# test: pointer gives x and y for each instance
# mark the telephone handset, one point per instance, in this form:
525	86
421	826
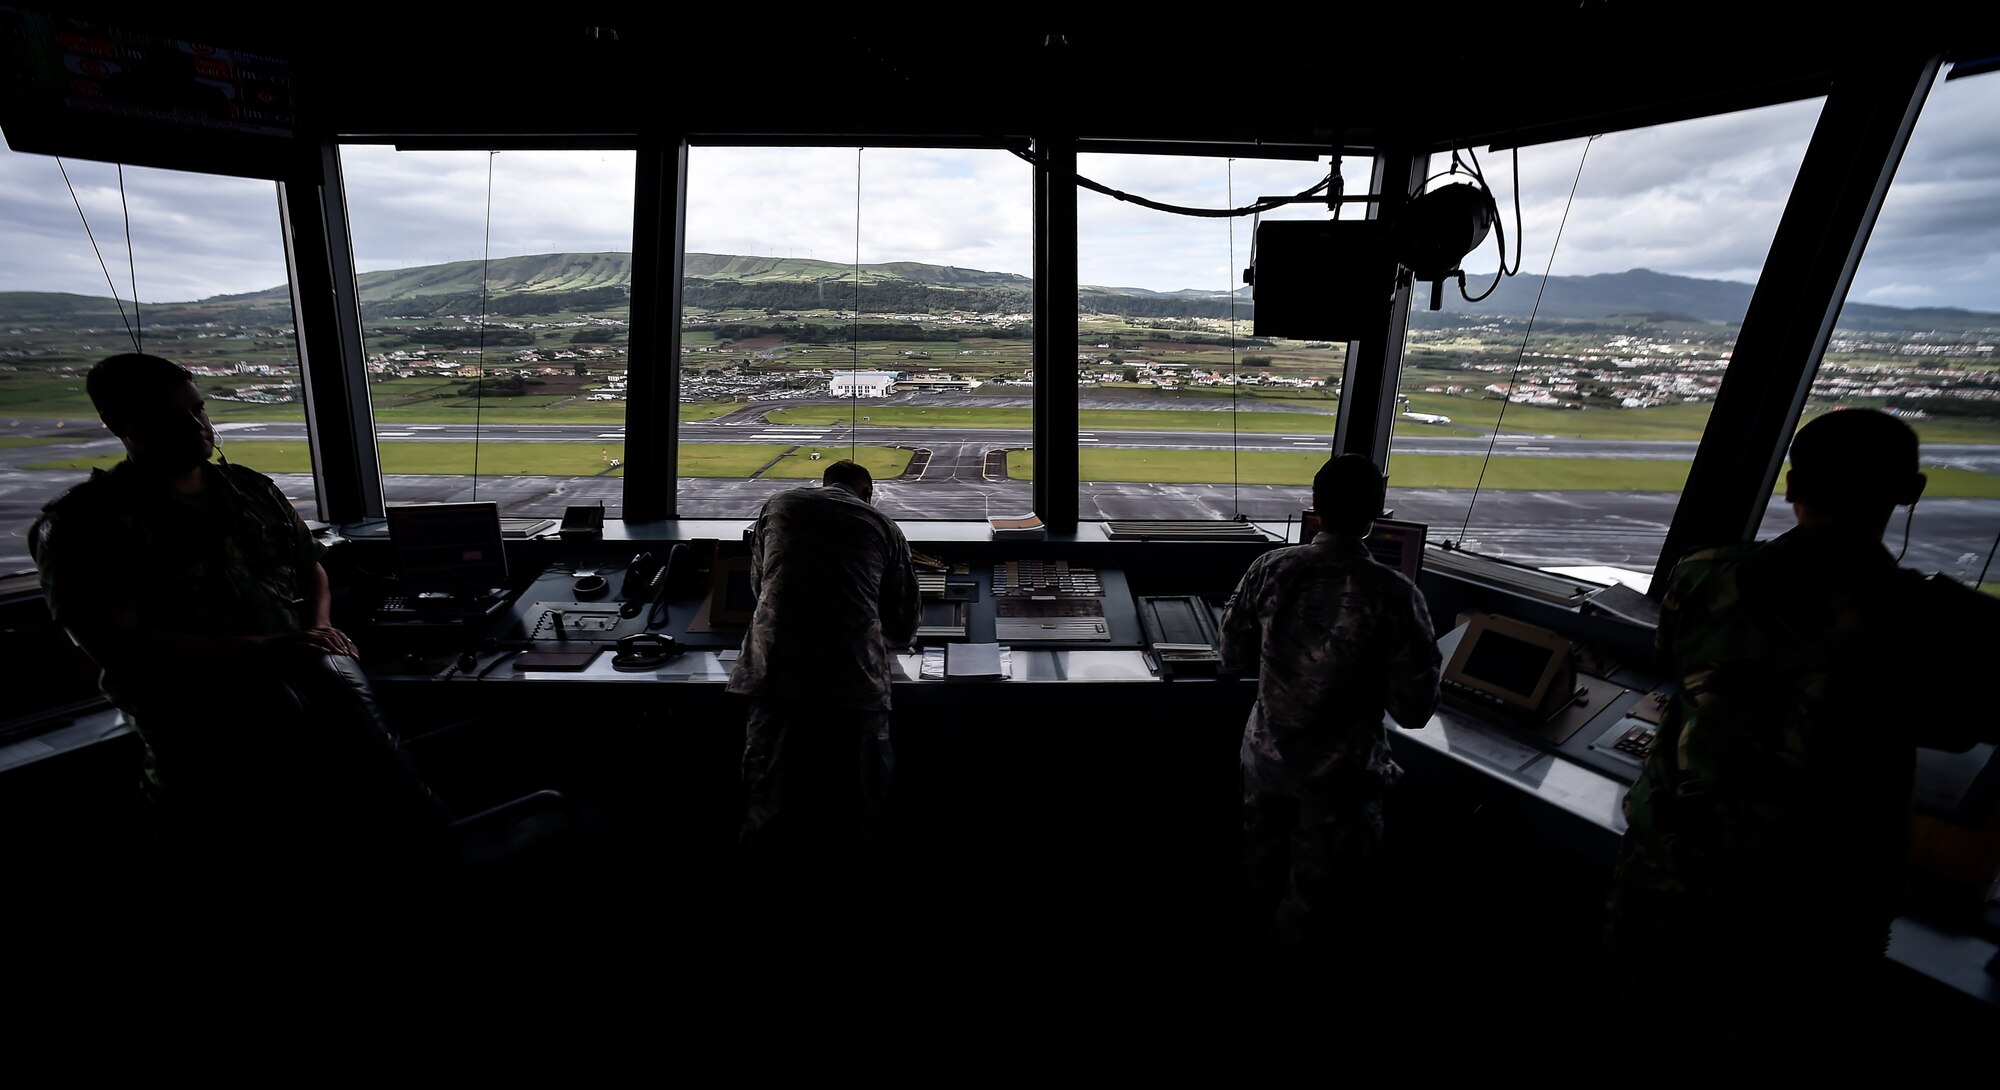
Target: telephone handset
643	577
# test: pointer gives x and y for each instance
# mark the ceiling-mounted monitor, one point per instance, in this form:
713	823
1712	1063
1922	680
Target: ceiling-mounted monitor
144	91
1320	280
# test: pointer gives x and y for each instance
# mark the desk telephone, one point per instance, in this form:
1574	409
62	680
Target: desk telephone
645	577
651	577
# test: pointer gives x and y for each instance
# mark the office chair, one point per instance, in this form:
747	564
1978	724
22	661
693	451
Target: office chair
292	803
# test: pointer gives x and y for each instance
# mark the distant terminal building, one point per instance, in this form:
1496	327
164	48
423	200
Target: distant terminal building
862	383
933	383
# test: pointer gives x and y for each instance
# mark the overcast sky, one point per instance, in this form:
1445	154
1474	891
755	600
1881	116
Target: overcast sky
1698	199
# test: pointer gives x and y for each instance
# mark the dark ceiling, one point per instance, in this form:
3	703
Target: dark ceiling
1425	76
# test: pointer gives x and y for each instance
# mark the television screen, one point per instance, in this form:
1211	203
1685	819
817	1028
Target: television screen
153	93
448	546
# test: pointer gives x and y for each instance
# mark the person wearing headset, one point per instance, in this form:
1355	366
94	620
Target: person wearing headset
197	590
1769	831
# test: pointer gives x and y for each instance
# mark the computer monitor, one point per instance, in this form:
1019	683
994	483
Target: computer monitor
1526	668
448	547
731	602
1399	545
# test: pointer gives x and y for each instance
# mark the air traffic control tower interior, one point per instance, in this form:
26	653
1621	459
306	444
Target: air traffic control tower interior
1092	306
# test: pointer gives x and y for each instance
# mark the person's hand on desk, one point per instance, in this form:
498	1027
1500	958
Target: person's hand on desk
326	640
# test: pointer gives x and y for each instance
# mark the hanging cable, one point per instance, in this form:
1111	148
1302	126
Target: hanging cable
1981	581
1499	229
485	286
1183	210
108	282
1521	355
855	321
131	264
1235	380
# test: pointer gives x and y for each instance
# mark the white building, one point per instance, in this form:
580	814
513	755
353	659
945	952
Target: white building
862	383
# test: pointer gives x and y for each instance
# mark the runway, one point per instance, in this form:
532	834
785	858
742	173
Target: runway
959	474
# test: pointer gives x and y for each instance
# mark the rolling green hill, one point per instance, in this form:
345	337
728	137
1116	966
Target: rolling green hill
560	283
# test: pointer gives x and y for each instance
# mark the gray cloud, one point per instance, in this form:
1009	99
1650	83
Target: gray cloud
1701	198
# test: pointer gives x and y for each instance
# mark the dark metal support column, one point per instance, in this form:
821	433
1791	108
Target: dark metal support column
653	377
1367	413
1055	394
319	256
1863	129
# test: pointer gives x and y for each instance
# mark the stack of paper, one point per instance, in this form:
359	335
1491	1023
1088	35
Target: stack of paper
1020	527
973	660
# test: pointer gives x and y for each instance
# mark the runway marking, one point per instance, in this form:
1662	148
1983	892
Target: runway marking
426	427
611	435
789	436
394	434
1088	440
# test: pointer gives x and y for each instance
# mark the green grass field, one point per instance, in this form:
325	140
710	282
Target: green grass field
725	460
742	460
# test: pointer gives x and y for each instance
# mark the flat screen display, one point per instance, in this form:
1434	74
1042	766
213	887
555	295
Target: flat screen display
1522	666
731	602
1505	662
448	546
151	92
1399	545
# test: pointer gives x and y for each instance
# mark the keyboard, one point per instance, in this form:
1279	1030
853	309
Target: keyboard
1038	579
1637	742
438	607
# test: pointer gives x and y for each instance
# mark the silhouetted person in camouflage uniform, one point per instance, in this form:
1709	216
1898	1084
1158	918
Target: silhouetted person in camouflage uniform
836	598
197	589
1337	639
1769	831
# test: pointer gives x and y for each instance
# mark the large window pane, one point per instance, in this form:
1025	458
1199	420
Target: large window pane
1555	428
95	260
1918	334
873	304
495	291
1184	413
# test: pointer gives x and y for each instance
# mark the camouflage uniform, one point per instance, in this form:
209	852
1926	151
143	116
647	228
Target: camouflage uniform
297	732
1768	834
1338	640
836	596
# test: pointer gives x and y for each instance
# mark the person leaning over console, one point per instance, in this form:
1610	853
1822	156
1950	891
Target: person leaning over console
836	597
197	590
1337	639
1769	832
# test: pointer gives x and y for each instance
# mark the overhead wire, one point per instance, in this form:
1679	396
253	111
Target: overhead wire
1521	355
485	288
854	328
1235	380
130	331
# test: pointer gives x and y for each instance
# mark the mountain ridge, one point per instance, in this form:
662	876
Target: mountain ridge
583	281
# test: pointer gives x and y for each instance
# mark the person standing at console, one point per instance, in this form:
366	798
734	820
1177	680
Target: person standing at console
1337	639
836	597
197	590
1768	837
